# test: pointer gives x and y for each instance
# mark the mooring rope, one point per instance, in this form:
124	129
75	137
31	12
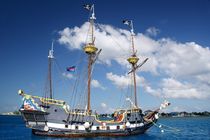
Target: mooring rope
167	128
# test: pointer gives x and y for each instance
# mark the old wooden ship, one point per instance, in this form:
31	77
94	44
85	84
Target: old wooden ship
51	117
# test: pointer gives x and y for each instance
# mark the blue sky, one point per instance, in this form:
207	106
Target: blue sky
173	34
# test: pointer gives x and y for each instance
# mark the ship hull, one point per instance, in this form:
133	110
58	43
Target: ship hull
72	134
60	128
54	118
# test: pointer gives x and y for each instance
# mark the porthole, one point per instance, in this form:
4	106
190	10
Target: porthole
118	127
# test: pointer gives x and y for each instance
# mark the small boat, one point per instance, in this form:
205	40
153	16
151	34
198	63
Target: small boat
51	117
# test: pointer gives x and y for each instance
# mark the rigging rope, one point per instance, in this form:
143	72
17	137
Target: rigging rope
163	128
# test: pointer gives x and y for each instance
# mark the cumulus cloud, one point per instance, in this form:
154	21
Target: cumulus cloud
105	108
188	63
67	75
122	81
103	105
111	39
152	31
172	88
73	38
96	84
178	59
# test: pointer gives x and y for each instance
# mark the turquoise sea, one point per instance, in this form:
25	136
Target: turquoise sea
189	128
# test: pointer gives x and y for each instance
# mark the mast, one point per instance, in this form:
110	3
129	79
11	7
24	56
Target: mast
90	50
133	59
50	58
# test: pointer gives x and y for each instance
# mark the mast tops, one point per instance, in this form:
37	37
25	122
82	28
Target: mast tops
51	52
130	24
133	59
91	9
90	47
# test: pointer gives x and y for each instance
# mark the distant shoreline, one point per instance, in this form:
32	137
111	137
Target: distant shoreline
184	117
184	114
161	115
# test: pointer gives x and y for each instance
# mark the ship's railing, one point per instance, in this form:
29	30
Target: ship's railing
51	101
133	110
43	100
79	111
118	117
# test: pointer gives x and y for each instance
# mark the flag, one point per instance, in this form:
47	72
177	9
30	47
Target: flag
71	69
87	6
127	22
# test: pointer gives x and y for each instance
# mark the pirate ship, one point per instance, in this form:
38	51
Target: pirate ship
50	117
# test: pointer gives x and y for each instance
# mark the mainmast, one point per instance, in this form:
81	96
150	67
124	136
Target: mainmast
50	58
91	51
133	59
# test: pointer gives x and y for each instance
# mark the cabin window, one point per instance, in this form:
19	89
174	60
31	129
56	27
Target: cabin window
108	128
76	127
97	127
118	127
66	126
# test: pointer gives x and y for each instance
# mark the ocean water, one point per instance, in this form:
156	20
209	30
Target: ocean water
196	128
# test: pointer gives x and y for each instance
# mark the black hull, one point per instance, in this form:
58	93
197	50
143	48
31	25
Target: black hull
127	132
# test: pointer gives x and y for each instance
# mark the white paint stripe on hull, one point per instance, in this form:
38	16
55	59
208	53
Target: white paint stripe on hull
82	127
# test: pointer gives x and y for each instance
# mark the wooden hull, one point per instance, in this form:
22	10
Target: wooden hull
126	132
57	121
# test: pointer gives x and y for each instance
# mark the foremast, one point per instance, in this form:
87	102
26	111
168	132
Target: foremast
91	50
50	60
133	59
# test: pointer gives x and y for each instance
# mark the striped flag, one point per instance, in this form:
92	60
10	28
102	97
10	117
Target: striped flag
71	69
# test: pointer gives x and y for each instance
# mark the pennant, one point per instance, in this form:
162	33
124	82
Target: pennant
164	104
87	6
71	69
127	22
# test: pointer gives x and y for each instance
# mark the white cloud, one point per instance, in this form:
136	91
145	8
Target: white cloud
105	108
96	84
73	38
152	31
178	59
172	88
176	109
114	40
165	55
188	63
103	105
122	81
204	78
68	75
